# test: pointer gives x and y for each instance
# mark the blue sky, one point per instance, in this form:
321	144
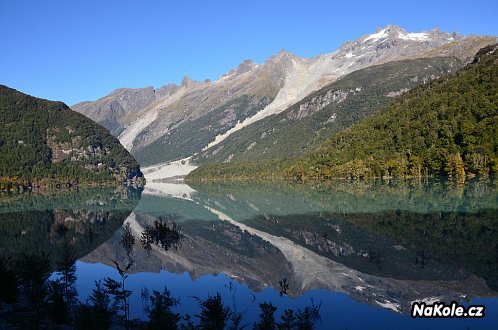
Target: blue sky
82	50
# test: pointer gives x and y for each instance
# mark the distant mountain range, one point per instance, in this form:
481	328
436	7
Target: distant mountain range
199	118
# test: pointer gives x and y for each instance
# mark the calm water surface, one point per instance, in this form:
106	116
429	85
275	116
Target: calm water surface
364	251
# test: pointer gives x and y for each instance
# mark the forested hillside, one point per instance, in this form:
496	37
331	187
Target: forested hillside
447	127
44	142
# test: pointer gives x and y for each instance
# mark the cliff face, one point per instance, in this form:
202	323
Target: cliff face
44	142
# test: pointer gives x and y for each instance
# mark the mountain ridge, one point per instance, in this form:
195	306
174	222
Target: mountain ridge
446	127
254	91
302	126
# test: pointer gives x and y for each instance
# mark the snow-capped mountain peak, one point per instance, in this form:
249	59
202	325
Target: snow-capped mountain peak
303	76
396	32
156	125
384	33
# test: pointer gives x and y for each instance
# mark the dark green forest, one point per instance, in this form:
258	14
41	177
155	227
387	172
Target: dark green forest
44	142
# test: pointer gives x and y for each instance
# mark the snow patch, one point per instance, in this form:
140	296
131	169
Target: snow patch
251	146
332	118
254	207
376	36
420	36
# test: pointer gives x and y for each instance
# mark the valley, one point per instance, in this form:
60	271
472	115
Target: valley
280	109
327	190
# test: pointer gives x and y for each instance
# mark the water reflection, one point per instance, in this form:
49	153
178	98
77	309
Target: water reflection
161	234
385	244
42	236
62	225
388	234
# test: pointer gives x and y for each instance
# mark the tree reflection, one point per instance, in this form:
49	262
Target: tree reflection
266	317
8	281
284	286
162	235
44	303
65	263
214	314
128	240
302	319
47	299
34	270
159	310
97	312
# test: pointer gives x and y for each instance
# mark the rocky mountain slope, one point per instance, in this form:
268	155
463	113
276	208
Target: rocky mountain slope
44	142
448	127
110	110
157	125
305	125
163	130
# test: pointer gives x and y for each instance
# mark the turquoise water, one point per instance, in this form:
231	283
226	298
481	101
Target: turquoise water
363	251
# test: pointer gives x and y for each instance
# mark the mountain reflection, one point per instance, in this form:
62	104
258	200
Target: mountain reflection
382	243
59	222
42	236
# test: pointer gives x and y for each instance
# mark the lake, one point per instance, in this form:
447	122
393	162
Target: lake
359	252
